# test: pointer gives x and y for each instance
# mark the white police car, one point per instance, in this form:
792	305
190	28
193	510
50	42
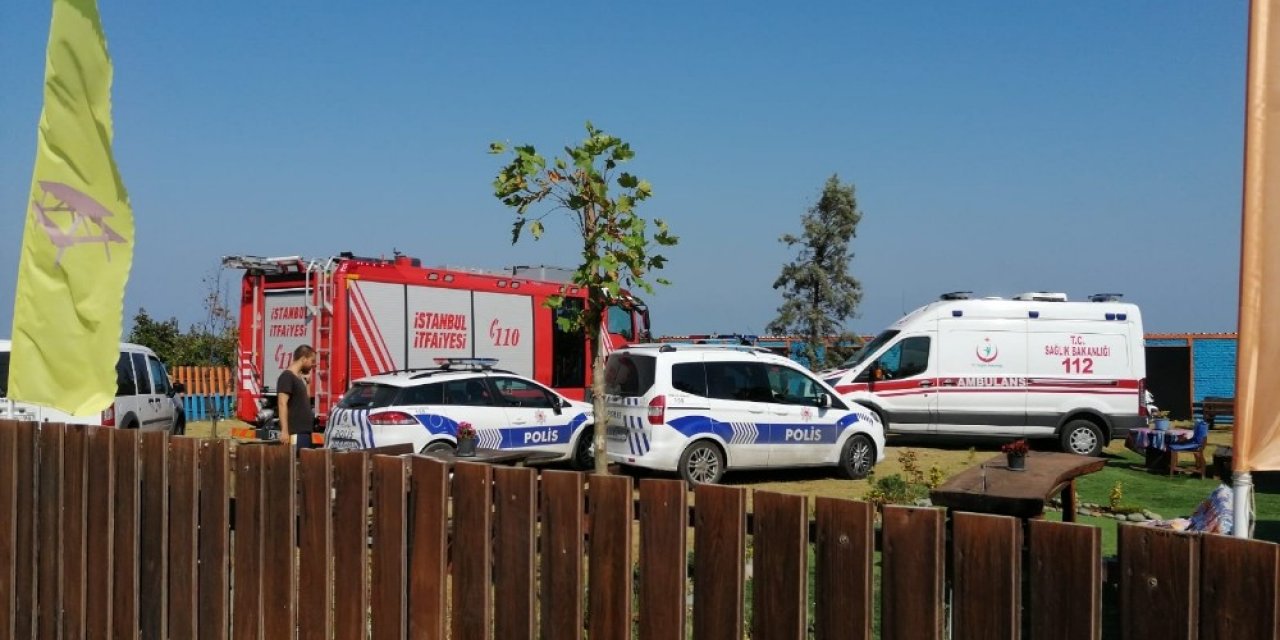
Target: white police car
424	408
701	409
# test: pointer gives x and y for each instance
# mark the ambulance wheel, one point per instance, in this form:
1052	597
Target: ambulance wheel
1082	437
857	457
438	447
584	452
702	463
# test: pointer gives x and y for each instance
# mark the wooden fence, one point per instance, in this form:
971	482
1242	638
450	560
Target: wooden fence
110	533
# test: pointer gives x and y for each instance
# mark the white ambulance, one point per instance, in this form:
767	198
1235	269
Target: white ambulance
1035	366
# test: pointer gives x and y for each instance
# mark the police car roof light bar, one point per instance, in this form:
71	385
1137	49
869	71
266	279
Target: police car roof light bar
473	363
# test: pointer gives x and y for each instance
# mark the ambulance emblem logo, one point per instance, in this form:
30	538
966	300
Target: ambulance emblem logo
987	351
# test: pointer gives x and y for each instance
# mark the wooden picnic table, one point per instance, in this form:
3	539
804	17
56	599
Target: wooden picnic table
513	457
992	487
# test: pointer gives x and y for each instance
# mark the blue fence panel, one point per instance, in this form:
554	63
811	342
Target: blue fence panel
197	406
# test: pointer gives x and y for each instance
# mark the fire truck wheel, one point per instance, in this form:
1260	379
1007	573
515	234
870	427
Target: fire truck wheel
584	452
435	447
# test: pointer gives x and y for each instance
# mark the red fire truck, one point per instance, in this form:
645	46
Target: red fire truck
366	316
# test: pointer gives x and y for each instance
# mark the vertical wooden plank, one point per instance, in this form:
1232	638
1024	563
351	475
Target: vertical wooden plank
24	531
100	525
1239	592
561	546
315	545
780	557
609	583
390	548
514	520
428	547
124	591
73	532
184	513
279	543
8	522
1159	571
719	547
153	570
844	551
986	576
246	587
664	529
912	572
350	545
215	537
1064	579
49	530
472	550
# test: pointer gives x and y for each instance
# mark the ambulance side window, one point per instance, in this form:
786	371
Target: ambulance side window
908	358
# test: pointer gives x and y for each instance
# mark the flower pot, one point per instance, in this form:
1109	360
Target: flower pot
1017	461
1162	424
467	448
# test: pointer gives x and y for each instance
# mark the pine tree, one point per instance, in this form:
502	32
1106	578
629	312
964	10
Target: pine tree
819	295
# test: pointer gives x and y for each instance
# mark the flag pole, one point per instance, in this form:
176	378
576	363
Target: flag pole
1241	492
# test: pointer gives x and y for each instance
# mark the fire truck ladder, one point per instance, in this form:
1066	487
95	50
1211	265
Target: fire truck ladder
320	307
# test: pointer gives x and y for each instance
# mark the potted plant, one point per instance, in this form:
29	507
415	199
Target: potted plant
1161	422
1016	453
466	440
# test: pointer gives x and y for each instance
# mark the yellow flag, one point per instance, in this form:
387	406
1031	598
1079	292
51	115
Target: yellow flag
77	245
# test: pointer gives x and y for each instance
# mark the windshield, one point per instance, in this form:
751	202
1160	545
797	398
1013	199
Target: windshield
869	348
369	396
4	374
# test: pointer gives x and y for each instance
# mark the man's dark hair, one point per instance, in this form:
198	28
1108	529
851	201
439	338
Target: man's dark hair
303	351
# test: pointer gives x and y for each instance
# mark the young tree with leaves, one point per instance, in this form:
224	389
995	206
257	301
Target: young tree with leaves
819	295
617	248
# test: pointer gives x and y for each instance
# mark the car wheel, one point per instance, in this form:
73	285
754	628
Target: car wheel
438	447
584	452
702	463
857	457
1082	437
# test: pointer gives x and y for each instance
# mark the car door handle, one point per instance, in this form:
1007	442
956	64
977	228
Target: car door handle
519	422
926	383
756	410
948	383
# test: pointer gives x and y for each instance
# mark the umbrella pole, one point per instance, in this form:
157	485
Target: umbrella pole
1241	499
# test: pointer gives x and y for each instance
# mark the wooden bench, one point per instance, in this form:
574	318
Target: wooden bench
1213	407
992	487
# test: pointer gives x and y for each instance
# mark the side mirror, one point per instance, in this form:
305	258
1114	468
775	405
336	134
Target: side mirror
557	404
176	389
824	401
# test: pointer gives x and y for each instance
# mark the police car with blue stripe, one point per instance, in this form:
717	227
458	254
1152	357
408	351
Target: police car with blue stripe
701	409
424	408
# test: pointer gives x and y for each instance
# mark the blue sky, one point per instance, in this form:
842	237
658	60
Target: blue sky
996	147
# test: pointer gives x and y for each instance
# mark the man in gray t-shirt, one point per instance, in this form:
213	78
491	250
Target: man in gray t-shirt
293	400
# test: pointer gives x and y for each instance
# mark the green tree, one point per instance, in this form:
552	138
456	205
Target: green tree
819	295
618	249
163	337
209	343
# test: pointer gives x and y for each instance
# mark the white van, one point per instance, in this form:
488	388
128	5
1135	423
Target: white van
701	409
1035	366
144	395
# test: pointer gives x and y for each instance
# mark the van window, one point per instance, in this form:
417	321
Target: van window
158	375
903	360
628	374
869	348
468	393
125	385
747	381
690	377
793	387
4	374
144	375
